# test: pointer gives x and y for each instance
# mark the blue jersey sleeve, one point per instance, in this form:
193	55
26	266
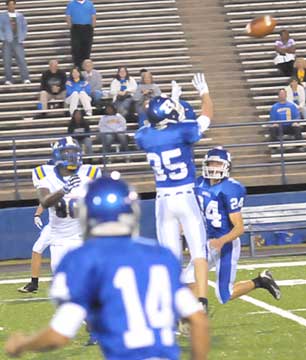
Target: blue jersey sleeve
233	196
74	280
190	131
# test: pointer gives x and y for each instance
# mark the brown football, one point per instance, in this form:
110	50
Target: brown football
261	26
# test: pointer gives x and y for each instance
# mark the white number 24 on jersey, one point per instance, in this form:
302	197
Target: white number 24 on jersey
156	312
162	162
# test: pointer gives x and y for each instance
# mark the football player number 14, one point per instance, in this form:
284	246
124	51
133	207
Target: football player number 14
154	312
164	169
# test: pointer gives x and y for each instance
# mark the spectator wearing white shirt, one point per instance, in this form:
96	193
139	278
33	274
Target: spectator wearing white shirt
296	95
122	89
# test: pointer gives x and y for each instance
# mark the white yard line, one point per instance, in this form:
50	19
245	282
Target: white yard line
270	308
292	282
271	265
20	281
16	301
268	312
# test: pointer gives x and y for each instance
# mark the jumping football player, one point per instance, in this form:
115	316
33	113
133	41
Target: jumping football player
127	287
222	200
168	142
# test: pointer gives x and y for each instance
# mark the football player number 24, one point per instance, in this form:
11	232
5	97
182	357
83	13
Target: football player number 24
164	169
154	312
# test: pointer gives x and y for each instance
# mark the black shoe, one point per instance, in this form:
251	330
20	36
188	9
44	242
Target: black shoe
28	288
268	283
91	341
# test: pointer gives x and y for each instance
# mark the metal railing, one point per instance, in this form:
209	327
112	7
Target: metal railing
104	156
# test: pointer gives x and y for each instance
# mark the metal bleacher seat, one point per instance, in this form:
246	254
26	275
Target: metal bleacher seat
138	34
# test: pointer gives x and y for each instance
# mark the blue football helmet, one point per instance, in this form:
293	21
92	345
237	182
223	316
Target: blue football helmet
221	156
67	153
164	108
109	208
189	111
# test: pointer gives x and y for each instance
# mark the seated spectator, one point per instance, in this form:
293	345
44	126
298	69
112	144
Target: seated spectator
284	110
285	53
94	78
78	90
77	126
145	91
122	89
109	126
299	70
52	85
296	95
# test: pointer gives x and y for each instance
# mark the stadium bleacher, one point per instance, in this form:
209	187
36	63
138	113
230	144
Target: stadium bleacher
168	38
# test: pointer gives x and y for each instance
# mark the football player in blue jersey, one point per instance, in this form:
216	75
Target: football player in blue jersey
127	287
168	142
222	200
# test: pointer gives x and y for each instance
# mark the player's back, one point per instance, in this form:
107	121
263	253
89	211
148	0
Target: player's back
170	152
131	289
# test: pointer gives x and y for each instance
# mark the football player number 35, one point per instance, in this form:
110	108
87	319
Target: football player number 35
154	312
164	169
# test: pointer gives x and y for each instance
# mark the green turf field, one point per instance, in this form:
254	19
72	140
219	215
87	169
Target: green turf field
240	330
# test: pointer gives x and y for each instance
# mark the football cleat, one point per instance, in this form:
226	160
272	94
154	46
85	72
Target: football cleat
183	328
91	341
28	288
269	284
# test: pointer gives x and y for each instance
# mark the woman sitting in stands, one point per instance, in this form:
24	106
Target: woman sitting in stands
78	91
299	70
78	125
146	90
122	89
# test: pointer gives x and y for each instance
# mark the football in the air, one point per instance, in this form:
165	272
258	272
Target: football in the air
261	26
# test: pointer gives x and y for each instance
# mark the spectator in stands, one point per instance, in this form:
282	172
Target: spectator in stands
296	95
13	31
285	53
299	70
122	89
78	125
81	19
146	89
78	90
52	85
109	126
284	110
94	78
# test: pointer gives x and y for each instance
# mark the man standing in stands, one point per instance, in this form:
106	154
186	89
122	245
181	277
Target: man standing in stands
81	18
13	31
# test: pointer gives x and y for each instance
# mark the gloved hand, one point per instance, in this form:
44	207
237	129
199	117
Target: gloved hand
200	83
176	91
38	222
73	182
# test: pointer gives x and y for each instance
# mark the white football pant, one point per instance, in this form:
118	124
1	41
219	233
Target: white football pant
175	207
